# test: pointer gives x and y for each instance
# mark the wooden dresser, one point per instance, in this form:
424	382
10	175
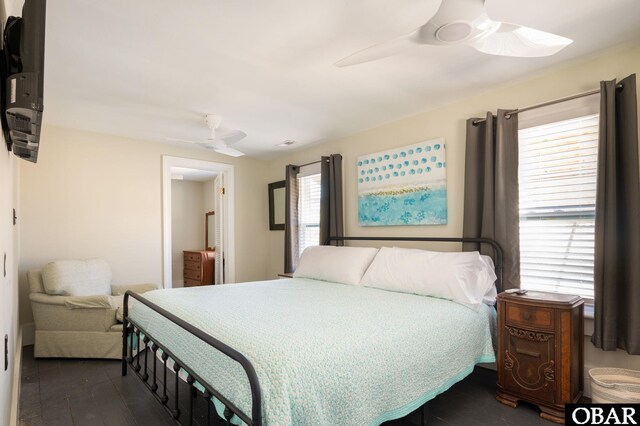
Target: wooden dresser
540	351
198	267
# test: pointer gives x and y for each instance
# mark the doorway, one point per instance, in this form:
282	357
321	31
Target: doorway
182	180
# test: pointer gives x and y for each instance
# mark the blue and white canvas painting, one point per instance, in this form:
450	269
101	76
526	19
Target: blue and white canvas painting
403	186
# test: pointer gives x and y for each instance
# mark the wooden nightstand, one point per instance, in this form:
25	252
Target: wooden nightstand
540	351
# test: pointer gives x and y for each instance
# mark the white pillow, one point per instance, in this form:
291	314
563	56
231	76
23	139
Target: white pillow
90	277
492	292
464	278
344	265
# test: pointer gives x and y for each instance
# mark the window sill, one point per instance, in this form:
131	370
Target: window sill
588	319
588	311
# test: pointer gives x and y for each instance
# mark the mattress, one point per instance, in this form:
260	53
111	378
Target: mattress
325	353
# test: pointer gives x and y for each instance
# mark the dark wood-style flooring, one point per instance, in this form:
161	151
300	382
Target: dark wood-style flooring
92	392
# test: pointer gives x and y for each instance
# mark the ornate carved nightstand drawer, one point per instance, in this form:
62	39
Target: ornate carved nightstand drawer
530	316
529	363
540	351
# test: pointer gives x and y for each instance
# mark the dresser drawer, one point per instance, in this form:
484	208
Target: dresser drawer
194	275
531	316
195	266
191	283
192	257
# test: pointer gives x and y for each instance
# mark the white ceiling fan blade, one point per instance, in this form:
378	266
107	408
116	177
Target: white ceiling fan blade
207	145
519	41
379	51
231	136
214	143
229	151
181	140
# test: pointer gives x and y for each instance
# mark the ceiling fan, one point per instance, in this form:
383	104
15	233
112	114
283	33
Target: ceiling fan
466	22
219	139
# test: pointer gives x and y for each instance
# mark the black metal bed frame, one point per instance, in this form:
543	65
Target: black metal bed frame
130	329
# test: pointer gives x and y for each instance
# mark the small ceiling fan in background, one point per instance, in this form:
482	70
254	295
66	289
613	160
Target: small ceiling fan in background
219	140
466	22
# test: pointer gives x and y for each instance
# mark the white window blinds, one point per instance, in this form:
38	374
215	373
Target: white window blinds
557	179
309	211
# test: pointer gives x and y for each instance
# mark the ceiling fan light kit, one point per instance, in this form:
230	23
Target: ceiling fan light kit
466	22
213	121
454	32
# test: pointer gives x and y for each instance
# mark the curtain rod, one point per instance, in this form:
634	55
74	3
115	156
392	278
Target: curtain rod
544	104
308	164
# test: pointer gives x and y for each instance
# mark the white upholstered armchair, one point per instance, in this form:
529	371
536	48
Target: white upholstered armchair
77	310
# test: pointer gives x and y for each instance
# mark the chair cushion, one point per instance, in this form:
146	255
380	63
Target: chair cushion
119	290
77	277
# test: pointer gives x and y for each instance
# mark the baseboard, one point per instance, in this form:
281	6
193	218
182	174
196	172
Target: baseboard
28	334
17	369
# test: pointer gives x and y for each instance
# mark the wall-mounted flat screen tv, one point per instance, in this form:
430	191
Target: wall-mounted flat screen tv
23	78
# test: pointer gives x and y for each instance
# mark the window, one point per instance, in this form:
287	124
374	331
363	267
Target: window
557	179
308	211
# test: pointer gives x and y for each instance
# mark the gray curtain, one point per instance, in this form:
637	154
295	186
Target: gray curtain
291	254
491	207
331	198
617	232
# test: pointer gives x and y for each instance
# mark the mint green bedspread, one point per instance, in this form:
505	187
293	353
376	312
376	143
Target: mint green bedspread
325	353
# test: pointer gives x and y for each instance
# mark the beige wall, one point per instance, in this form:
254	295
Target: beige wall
93	195
449	122
187	223
209	195
8	276
9	246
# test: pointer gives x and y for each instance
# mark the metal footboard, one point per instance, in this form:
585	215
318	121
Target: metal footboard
145	371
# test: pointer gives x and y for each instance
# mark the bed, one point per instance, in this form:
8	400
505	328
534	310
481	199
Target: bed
306	352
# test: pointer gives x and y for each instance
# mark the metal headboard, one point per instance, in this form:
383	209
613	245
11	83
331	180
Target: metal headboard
496	247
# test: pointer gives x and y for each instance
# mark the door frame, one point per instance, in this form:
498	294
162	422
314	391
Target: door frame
230	250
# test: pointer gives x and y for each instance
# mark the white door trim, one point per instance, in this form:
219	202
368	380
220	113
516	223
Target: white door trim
230	253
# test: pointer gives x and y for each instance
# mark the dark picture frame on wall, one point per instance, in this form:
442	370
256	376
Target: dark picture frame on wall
276	206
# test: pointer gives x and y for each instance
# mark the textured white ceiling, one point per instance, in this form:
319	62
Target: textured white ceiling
150	69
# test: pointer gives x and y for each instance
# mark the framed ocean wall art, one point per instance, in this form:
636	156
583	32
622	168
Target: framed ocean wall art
403	186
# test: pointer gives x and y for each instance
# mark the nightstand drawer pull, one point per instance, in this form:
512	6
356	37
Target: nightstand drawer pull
530	353
526	315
